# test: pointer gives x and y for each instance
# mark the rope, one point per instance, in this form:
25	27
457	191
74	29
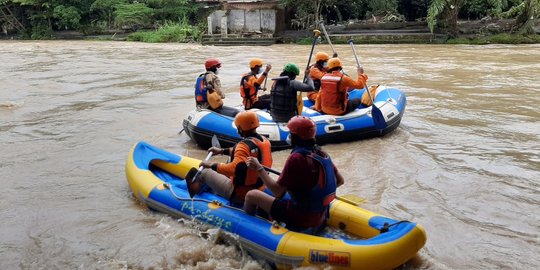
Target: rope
386	226
169	187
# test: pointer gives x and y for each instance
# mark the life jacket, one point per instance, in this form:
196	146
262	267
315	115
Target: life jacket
324	192
247	179
201	90
316	81
248	93
332	101
283	100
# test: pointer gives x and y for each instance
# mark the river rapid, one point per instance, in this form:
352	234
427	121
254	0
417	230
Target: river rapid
464	163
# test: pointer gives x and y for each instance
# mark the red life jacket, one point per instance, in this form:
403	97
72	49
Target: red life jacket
247	179
332	100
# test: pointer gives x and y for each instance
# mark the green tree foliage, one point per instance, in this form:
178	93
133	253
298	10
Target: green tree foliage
67	17
133	15
173	10
39	18
106	8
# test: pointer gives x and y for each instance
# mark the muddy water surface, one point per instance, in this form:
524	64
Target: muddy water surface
465	162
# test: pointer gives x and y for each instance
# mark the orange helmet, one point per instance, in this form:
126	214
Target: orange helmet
321	56
255	62
334	62
211	62
303	127
246	120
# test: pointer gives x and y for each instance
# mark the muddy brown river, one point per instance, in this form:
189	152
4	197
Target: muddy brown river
464	163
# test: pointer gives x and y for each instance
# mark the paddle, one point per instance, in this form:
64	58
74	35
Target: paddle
299	101
378	118
194	173
348	198
321	23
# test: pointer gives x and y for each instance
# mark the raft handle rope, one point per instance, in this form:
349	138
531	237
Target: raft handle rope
386	226
169	187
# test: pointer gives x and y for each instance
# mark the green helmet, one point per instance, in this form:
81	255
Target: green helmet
292	68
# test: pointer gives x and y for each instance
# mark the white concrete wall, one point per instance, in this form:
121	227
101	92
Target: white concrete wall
215	18
239	20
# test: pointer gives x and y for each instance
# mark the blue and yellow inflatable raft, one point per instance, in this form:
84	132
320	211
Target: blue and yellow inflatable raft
355	238
201	124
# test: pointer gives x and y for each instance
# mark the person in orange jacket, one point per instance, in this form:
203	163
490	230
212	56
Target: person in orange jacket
317	71
333	96
250	85
234	179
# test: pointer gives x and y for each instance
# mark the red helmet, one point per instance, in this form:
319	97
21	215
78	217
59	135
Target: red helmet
211	62
303	127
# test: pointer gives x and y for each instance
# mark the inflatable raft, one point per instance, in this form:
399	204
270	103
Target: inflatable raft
201	125
355	238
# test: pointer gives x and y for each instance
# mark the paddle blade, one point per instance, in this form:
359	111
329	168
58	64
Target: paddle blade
351	199
378	118
215	141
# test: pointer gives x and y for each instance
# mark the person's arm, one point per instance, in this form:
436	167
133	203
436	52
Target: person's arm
316	73
213	83
339	178
241	153
302	87
269	182
217	86
261	79
348	82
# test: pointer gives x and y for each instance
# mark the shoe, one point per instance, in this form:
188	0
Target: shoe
193	185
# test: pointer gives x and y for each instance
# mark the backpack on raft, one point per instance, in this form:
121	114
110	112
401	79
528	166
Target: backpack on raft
366	101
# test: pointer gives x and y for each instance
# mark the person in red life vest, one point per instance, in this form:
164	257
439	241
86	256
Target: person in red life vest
333	96
234	179
250	85
309	176
208	94
316	72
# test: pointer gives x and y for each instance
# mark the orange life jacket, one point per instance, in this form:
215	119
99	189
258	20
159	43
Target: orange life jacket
331	99
248	92
247	179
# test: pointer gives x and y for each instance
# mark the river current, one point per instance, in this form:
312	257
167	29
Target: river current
464	163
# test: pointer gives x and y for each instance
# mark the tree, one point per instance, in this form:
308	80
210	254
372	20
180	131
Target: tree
106	9
449	10
67	17
132	15
526	18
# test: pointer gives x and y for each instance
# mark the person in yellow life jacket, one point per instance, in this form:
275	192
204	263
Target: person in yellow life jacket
333	96
208	93
251	83
309	177
316	72
234	179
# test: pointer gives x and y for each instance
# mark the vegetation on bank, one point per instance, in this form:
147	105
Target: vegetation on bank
185	20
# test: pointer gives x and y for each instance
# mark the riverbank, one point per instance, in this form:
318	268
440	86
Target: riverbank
489	31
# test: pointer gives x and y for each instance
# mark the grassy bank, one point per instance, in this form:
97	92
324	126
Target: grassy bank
168	33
